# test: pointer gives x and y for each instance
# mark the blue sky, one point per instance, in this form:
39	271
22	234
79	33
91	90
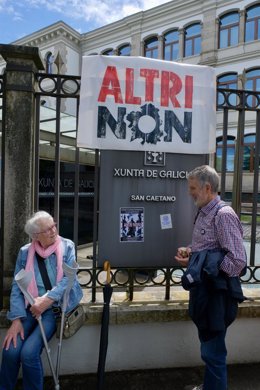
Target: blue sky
23	17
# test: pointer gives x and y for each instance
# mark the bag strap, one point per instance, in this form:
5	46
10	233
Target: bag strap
43	272
221	204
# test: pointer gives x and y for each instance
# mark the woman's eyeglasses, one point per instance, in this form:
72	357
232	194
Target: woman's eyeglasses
48	230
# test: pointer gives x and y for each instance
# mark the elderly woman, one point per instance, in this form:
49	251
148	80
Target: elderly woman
23	342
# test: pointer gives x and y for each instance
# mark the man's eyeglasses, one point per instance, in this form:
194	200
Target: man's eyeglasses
48	230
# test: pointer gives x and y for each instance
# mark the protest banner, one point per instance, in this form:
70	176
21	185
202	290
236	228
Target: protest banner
142	104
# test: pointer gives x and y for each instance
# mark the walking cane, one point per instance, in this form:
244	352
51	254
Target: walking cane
70	272
23	279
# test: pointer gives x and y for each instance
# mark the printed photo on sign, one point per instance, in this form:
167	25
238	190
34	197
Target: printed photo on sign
132	224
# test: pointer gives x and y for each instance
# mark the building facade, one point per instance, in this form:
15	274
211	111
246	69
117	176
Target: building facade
224	34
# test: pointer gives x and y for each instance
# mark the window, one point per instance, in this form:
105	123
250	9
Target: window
109	52
230	153
248	155
192	40
252	23
171	45
249	152
151	48
228	30
124	50
252	84
49	62
86	197
227	81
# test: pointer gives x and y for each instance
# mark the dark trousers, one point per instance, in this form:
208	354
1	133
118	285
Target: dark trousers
214	353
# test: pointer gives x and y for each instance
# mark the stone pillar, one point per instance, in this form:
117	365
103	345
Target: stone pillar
160	47
136	45
18	153
241	80
142	48
209	38
181	44
242	26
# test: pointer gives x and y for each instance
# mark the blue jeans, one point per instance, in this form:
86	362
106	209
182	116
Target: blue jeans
27	353
214	353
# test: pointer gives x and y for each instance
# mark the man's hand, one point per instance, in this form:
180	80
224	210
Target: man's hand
40	305
182	256
11	335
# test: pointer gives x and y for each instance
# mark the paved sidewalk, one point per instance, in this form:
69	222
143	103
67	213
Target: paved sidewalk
240	377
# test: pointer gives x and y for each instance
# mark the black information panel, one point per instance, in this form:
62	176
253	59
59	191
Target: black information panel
146	212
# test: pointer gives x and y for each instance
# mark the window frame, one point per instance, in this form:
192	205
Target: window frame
171	44
226	84
254	87
127	45
108	52
153	49
229	28
231	144
256	21
193	39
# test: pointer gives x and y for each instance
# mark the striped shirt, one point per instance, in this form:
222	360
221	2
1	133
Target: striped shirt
220	228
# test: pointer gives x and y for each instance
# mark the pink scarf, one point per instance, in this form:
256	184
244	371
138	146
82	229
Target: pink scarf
35	246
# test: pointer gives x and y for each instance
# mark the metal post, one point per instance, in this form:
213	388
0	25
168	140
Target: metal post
238	164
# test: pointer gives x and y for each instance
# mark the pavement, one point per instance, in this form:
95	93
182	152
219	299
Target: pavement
240	377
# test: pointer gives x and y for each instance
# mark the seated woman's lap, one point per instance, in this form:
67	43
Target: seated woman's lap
32	344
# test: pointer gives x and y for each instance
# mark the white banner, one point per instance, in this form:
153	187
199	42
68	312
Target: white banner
136	103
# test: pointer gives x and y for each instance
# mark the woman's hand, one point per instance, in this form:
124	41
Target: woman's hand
40	305
183	255
11	335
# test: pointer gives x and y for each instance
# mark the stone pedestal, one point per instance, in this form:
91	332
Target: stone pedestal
18	153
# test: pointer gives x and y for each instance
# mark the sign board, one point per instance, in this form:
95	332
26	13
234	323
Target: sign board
142	104
146	212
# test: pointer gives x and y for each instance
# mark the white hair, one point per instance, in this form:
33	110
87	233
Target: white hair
206	174
32	225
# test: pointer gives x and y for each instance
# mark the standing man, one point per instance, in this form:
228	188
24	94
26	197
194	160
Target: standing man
215	260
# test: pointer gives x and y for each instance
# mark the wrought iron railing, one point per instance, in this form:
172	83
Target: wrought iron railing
133	280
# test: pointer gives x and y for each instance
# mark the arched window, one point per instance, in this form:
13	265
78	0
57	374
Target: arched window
192	45
124	50
171	45
252	23
253	84
108	52
230	153
151	47
228	30
49	62
227	81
